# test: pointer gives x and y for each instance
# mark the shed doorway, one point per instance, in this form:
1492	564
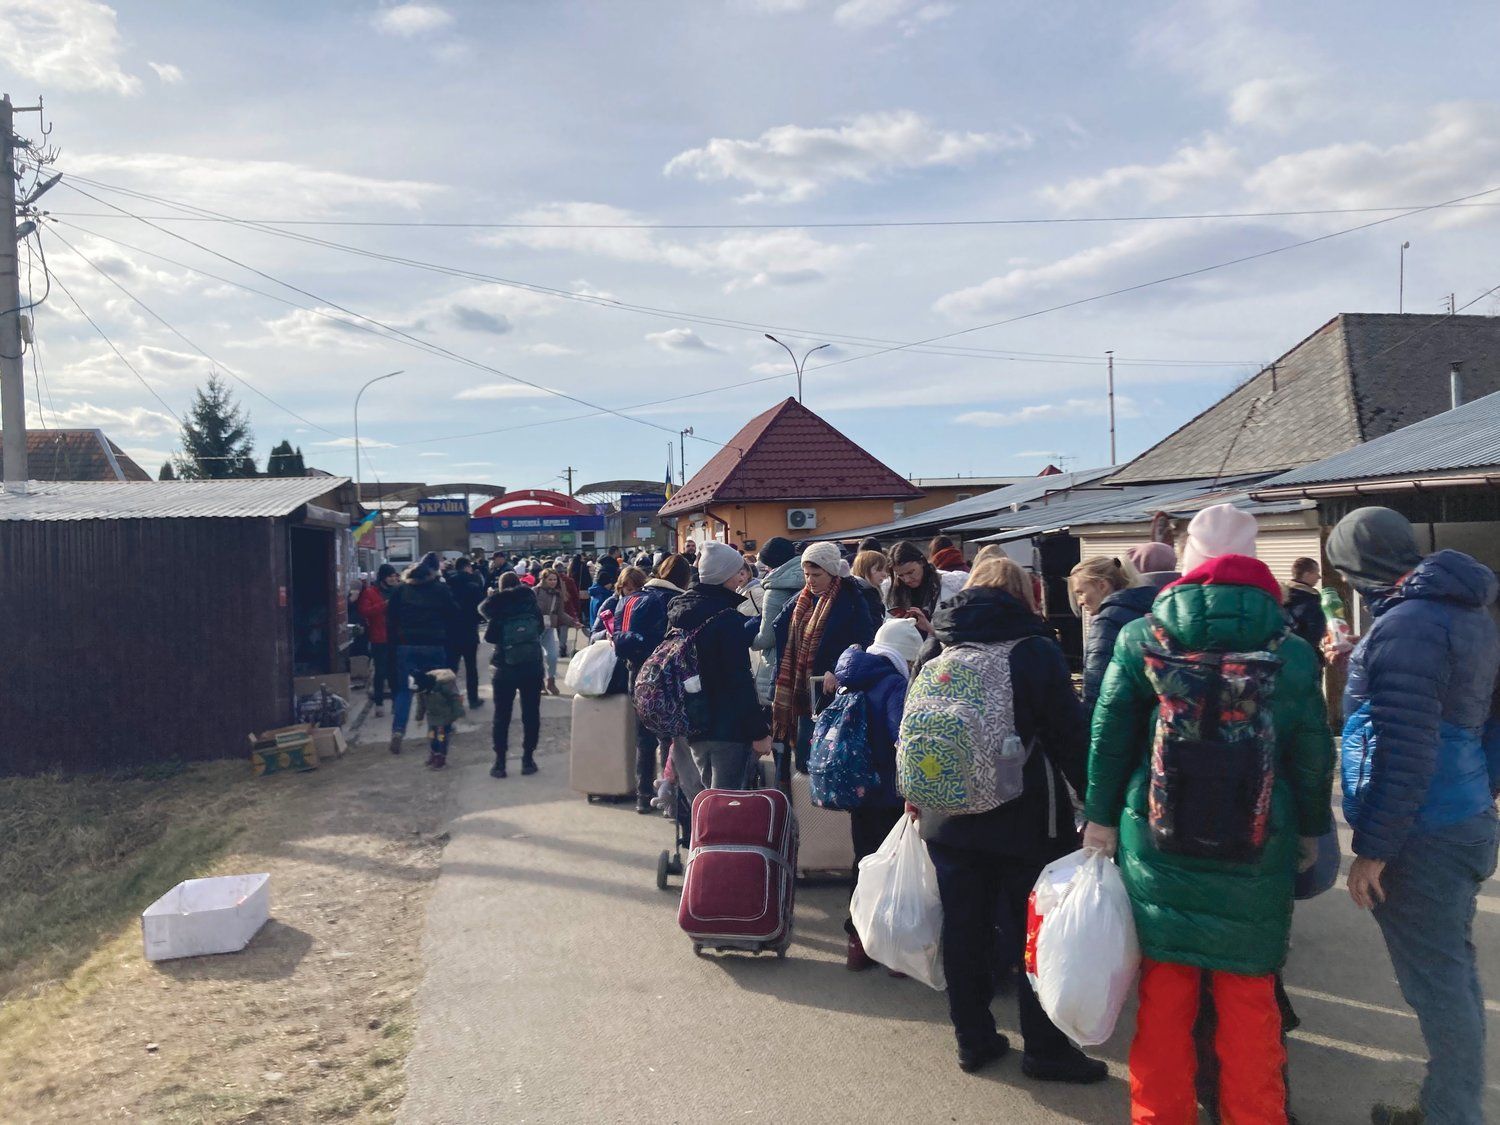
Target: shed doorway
313	592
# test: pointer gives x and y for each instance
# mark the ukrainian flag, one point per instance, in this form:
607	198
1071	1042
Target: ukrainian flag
365	526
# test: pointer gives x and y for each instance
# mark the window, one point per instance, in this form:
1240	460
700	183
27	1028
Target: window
898	510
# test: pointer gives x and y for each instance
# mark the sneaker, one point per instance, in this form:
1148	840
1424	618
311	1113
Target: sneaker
1382	1114
379	711
436	761
996	1048
643	806
856	960
1074	1067
528	767
498	770
476	705
396	742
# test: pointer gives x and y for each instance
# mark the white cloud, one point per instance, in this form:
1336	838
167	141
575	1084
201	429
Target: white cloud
430	454
252	188
909	15
1211	159
777	7
680	340
348	443
169	74
137	422
1048	411
480	320
791	163
407	20
748	258
306	328
486	308
1273	101
547	349
64	45
502	390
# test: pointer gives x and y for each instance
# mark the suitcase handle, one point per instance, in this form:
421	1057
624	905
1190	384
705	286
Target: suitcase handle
765	853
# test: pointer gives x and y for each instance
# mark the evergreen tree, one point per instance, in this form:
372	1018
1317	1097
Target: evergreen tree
301	464
166	472
216	440
285	461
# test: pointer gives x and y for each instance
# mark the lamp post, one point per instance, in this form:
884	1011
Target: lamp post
795	364
1401	280
359	497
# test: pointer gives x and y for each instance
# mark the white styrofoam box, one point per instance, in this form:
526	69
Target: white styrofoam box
217	915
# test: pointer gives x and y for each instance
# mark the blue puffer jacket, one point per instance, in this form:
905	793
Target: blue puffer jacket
885	701
641	621
1418	697
1115	612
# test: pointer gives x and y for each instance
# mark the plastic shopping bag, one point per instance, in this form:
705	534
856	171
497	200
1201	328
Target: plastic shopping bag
896	909
1081	948
590	671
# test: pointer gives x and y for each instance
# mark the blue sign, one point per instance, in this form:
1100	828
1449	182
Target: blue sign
641	502
458	507
537	523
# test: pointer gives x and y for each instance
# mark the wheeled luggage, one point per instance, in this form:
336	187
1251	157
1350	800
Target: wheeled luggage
741	882
824	845
601	760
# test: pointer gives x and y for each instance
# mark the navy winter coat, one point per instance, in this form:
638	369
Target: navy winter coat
647	612
723	662
1417	700
1115	612
884	688
848	624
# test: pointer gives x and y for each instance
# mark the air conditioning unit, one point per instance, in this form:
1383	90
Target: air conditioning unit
801	519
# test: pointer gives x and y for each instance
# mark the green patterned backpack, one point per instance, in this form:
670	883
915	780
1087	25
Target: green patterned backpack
959	751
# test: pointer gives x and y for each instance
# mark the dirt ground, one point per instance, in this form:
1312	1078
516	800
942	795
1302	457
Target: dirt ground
313	1020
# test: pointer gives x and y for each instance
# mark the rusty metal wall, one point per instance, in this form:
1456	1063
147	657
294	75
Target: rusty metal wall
132	641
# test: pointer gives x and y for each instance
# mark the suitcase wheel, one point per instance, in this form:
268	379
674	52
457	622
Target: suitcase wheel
781	954
663	869
674	866
697	949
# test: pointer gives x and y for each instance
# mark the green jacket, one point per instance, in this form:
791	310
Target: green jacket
1189	911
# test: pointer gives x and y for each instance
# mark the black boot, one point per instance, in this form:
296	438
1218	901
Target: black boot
528	764
498	769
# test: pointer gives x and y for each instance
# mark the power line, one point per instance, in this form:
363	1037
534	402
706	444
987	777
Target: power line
624	306
119	354
850	224
1426	328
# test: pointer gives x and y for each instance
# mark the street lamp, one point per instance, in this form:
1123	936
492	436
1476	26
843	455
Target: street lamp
359	492
797	365
1401	280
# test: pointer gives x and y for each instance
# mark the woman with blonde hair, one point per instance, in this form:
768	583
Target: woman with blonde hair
1107	591
551	599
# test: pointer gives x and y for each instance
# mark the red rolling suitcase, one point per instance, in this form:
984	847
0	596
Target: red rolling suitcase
739	889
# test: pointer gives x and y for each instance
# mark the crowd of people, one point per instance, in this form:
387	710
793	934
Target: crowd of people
1194	749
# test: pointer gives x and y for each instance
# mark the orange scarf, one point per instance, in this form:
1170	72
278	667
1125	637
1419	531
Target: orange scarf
805	634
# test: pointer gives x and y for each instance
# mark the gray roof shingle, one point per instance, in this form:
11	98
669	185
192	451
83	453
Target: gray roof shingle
183	499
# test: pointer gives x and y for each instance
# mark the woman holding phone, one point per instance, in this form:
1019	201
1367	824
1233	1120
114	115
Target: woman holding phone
917	587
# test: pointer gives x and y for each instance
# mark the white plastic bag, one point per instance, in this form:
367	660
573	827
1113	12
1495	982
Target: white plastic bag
896	908
1082	950
590	671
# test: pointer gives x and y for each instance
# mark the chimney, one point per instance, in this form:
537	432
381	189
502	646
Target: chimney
1456	385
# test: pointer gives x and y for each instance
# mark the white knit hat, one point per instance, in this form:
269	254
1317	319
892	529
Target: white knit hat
1220	530
718	563
898	635
824	555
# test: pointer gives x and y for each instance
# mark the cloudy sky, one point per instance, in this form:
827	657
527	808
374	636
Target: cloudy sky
636	191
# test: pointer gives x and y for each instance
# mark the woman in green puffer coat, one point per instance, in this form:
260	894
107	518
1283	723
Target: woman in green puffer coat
1194	914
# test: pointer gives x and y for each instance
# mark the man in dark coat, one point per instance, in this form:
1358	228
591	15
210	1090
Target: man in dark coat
1304	606
467	589
1419	778
420	619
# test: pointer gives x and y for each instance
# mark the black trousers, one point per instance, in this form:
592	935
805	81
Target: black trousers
509	683
467	651
980	890
868	829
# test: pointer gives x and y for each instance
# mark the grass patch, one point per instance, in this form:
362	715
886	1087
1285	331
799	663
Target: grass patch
81	854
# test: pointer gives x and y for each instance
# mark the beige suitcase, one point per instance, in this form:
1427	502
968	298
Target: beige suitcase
824	844
601	759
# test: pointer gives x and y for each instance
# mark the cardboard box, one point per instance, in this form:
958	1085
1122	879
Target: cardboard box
199	916
336	682
283	749
330	742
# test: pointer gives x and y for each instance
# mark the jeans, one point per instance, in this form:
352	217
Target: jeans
527	683
467	651
711	764
550	650
648	751
383	679
411	659
1428	922
976	888
438	738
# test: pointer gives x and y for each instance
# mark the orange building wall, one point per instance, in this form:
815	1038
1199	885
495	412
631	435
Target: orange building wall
760	521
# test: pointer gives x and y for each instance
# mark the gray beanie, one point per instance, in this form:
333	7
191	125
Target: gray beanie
718	563
1373	547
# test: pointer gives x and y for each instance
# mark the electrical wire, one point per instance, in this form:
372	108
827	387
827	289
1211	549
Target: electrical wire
1426	328
119	354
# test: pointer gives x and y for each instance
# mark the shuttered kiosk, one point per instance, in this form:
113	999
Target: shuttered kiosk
155	620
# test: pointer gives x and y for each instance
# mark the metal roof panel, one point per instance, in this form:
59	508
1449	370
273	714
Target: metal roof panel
183	499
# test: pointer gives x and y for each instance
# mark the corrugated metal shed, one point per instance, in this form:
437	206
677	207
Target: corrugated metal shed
1460	440
197	499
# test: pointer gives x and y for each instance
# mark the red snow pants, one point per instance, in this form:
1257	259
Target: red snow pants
1163	1064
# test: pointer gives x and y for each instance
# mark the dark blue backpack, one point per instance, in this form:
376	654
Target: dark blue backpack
839	765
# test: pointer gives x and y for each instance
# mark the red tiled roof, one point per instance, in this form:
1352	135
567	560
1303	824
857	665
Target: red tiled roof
789	453
77	455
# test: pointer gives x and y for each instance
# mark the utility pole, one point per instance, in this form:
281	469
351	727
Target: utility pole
12	373
1110	356
1452	304
568	472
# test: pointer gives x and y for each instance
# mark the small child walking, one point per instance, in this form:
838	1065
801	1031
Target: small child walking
444	706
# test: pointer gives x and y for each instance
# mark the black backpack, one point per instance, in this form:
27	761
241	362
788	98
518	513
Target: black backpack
517	639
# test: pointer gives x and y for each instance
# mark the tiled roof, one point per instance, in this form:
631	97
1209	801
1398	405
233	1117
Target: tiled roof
789	453
1357	377
77	455
1454	442
180	499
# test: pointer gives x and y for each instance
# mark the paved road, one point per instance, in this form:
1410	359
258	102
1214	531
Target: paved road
559	989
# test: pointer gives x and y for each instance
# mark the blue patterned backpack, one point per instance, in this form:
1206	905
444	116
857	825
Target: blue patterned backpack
839	769
959	752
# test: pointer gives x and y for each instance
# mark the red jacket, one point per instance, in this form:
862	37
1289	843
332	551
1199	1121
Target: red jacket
570	597
371	606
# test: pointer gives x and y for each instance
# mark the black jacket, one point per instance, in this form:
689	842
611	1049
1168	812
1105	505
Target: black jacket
848	624
1048	717
421	611
467	589
723	661
1117	611
1304	613
517	602
874	604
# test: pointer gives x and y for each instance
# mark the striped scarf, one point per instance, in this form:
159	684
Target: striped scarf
803	638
